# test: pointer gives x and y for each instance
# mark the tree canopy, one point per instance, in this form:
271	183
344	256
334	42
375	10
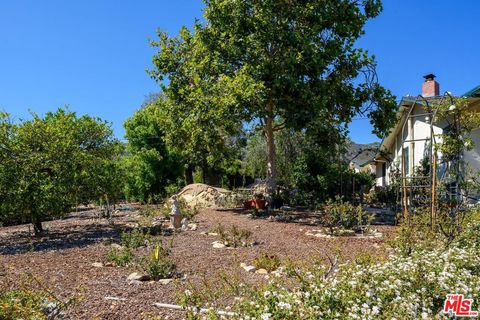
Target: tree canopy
273	64
49	164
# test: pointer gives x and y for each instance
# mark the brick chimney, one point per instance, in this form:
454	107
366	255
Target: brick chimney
430	88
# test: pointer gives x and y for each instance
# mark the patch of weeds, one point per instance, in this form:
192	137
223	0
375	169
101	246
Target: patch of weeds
22	304
157	264
26	302
132	239
120	257
269	262
234	237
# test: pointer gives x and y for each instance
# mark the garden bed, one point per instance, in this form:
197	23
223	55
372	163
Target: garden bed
63	260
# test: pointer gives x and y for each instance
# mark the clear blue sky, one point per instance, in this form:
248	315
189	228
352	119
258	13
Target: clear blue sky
93	55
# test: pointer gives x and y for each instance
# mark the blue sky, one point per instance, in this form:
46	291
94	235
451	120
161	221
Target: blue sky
92	55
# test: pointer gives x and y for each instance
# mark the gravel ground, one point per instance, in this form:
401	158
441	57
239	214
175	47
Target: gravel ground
62	260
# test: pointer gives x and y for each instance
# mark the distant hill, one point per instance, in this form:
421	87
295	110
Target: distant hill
359	154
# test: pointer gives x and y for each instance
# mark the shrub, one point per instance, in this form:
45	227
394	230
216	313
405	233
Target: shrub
22	304
234	237
340	214
132	239
266	261
403	287
120	257
157	264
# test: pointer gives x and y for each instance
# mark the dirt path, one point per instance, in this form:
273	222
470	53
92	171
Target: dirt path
63	260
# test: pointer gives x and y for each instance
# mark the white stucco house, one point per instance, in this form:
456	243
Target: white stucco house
412	133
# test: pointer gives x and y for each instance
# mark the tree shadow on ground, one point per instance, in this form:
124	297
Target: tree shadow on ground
66	238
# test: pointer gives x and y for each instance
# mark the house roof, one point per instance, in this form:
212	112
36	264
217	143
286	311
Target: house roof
473	93
405	104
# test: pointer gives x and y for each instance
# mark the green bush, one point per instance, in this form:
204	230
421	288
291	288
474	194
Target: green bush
132	239
234	237
266	261
343	215
22	304
120	257
157	264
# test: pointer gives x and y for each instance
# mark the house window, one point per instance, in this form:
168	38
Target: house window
407	160
384	173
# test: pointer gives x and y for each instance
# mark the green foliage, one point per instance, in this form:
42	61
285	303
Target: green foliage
22	304
49	164
343	215
120	257
456	138
150	165
277	64
374	291
132	239
158	264
234	237
266	261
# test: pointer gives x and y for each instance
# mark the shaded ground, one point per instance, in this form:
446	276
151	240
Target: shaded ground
62	261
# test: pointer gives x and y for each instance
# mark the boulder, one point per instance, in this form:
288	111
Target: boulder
199	195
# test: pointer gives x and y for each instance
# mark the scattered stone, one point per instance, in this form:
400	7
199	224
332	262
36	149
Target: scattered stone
261	271
192	226
249	268
116	246
132	225
212	234
115	299
165	281
218	245
138	277
204	233
317	233
97	264
243	264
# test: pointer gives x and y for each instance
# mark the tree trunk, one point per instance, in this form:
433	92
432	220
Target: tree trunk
37	225
271	165
189	174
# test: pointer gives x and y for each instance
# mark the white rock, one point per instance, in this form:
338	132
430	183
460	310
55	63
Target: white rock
243	264
192	226
165	281
249	268
116	246
218	245
138	277
262	271
97	264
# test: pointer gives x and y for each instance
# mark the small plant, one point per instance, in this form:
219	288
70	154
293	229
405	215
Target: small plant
133	239
27	298
120	257
22	304
234	237
157	264
266	261
343	215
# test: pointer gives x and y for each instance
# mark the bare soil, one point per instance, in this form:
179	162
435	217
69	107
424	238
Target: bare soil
62	259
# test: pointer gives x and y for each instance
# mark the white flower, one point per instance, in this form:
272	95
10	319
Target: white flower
265	316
